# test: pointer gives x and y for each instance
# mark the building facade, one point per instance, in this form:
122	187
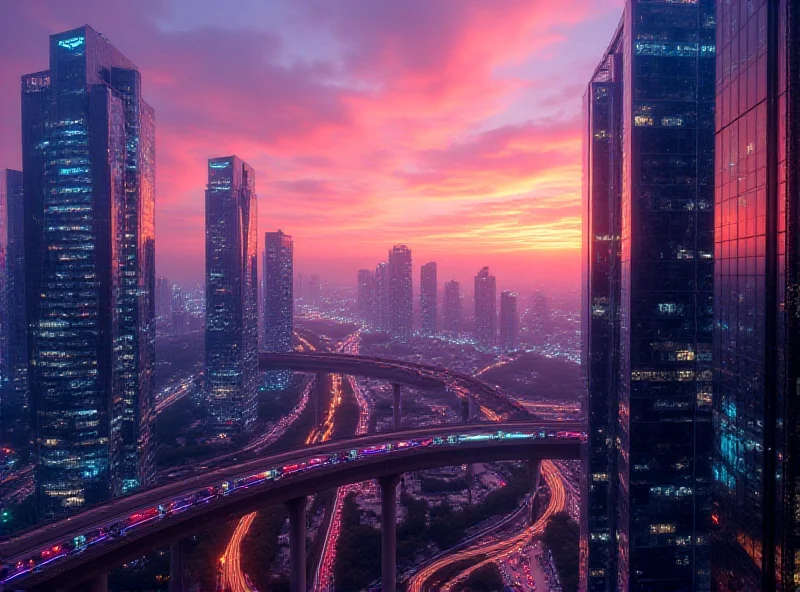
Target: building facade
365	296
485	308
278	301
14	420
451	314
231	338
509	321
89	185
756	537
382	310
401	297
649	176
428	295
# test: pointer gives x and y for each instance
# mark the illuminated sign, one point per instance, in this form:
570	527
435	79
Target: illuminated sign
219	165
72	42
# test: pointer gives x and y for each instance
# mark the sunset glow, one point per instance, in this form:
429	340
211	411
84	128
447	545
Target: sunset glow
451	126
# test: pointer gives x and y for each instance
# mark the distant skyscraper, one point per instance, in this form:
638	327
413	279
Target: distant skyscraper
485	308
13	320
756	471
509	321
428	293
648	216
451	318
163	298
314	290
382	321
89	179
178	311
231	296
278	301
365	297
541	313
401	297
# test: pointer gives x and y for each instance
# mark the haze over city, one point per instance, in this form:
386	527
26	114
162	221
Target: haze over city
450	126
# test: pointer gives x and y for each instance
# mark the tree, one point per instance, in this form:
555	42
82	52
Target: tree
484	579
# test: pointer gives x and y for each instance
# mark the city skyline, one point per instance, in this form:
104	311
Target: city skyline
316	191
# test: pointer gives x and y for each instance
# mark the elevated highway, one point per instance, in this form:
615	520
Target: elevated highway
62	554
397	372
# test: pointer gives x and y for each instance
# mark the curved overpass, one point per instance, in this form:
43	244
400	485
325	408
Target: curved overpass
71	550
397	371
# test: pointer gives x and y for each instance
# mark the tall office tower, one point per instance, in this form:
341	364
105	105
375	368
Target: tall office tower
451	317
541	313
314	290
278	301
509	321
231	297
89	182
298	286
649	151
428	293
365	297
401	297
382	298
163	298
178	314
485	308
756	471
14	420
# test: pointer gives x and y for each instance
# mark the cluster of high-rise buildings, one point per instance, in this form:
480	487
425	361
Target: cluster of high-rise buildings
78	293
385	301
691	300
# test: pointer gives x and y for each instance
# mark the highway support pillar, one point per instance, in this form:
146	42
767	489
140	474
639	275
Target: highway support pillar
297	543
177	566
389	532
99	583
397	406
535	472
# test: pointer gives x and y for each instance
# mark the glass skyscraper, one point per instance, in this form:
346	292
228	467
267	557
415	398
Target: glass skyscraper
485	308
451	315
89	185
382	308
756	535
14	420
648	292
509	321
401	298
278	301
231	297
428	293
365	297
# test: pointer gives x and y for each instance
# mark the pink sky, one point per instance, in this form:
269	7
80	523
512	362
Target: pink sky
452	126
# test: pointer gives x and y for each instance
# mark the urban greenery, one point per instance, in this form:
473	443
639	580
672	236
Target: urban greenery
561	536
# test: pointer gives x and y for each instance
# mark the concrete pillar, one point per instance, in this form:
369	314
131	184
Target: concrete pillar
465	410
99	583
177	566
397	406
474	410
389	532
297	543
535	471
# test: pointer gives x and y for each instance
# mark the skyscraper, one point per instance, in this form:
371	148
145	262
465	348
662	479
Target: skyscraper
178	314
365	297
314	290
14	421
278	301
509	321
649	185
89	179
401	297
485	308
382	313
756	472
163	298
451	317
428	293
231	296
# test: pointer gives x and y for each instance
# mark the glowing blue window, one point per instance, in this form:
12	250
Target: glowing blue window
219	165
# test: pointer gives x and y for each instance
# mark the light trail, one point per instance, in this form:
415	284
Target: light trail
497	550
233	578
